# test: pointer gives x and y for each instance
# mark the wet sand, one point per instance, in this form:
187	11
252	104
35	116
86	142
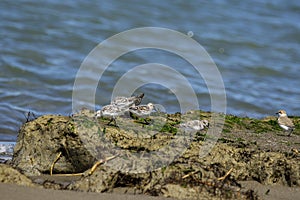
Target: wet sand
273	192
16	192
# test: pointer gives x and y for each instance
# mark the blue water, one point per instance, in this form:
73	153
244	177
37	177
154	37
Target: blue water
255	45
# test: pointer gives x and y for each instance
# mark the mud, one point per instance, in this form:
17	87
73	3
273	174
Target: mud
157	159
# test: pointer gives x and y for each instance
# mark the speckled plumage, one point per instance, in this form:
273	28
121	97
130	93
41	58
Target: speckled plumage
111	111
126	102
142	110
196	125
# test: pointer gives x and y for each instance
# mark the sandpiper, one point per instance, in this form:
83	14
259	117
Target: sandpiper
111	111
285	122
126	102
142	110
196	125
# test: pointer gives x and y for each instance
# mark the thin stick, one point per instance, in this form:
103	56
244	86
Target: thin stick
190	174
99	162
56	159
92	170
223	177
77	174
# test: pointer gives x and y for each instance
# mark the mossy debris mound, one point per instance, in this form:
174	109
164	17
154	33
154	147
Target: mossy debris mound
149	161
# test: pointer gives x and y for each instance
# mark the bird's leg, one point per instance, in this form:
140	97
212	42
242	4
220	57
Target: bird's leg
146	121
290	132
149	120
115	123
133	116
112	119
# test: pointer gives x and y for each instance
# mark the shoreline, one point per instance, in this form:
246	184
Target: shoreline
17	192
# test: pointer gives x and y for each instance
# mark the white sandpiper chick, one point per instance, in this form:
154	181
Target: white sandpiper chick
196	125
285	122
142	110
126	102
111	111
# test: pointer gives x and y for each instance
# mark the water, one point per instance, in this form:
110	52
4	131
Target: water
255	45
6	151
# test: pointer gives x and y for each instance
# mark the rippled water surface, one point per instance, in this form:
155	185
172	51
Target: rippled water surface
255	45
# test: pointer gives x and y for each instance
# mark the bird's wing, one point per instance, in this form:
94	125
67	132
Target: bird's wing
287	121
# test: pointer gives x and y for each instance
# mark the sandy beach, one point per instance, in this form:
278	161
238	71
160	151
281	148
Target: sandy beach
273	192
16	192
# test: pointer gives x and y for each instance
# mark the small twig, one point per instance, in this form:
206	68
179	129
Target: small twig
190	174
99	162
295	151
223	177
92	170
77	174
56	159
